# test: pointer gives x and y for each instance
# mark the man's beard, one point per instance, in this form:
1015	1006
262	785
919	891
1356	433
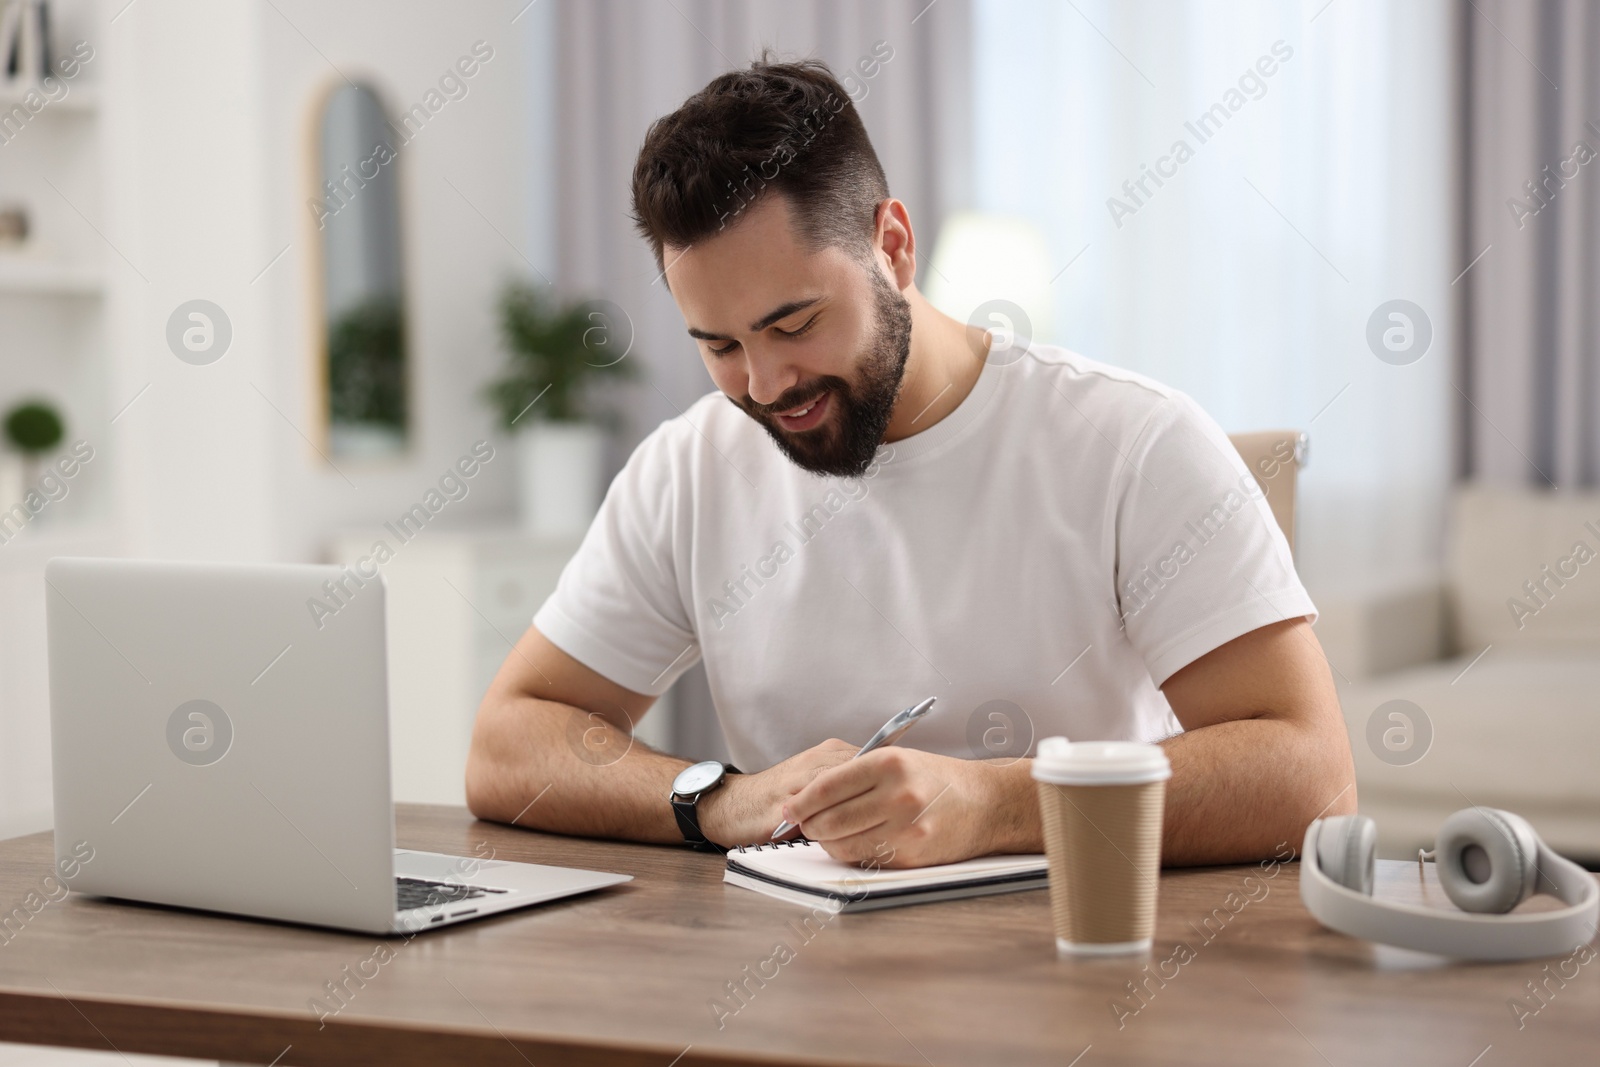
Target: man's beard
845	445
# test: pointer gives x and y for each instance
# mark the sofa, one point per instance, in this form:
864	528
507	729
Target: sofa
1481	685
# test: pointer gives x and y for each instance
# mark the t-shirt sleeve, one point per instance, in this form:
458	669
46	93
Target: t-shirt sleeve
617	607
1200	558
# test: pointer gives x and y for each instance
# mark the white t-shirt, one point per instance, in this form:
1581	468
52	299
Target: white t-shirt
1040	560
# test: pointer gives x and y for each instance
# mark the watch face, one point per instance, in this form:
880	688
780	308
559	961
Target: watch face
694	779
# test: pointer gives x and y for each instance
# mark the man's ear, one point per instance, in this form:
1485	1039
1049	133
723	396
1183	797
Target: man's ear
893	237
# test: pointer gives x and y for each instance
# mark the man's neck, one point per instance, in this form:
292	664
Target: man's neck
945	360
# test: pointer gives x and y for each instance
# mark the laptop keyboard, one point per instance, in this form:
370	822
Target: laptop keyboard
420	893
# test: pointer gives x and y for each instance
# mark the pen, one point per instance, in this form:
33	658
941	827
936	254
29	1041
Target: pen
887	734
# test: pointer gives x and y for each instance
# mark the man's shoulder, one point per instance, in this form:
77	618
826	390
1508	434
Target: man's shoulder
1065	368
1112	400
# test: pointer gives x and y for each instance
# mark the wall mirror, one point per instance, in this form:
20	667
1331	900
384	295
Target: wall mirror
356	208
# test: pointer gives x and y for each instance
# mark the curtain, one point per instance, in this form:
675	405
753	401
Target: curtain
622	63
1530	385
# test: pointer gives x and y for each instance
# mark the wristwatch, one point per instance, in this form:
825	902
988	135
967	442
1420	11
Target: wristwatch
691	784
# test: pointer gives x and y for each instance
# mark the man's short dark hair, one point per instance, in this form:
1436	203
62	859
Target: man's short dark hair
777	127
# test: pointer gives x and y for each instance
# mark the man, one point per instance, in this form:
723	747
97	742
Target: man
881	504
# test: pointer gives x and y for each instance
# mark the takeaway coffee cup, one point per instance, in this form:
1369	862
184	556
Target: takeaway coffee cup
1101	804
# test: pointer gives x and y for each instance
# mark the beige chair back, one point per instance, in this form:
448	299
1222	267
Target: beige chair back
1275	458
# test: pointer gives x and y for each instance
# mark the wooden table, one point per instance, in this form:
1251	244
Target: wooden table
631	975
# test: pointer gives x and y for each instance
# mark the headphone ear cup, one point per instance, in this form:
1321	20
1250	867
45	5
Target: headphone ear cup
1347	849
1487	859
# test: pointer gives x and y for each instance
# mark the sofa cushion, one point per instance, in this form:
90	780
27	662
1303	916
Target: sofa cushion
1514	730
1523	569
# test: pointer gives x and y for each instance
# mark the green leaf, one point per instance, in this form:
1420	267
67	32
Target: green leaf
556	353
34	427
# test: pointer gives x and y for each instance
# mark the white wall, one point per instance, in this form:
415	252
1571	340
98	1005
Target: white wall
184	105
463	195
220	184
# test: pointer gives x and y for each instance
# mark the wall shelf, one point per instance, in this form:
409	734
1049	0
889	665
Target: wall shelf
29	276
80	100
27	551
64	337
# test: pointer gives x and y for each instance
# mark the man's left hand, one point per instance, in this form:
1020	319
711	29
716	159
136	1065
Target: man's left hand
900	807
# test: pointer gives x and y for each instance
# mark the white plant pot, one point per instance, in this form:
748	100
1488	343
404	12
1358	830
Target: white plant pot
560	466
13	480
365	440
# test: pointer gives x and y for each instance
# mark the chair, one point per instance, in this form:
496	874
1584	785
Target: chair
1275	458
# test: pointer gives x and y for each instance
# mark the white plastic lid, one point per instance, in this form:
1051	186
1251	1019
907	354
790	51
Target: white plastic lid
1100	762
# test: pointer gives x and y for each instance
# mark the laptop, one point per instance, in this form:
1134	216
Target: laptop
220	740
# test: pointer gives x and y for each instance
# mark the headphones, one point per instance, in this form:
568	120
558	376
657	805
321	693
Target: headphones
1488	862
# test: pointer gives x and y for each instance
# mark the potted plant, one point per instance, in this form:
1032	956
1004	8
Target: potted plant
32	429
558	352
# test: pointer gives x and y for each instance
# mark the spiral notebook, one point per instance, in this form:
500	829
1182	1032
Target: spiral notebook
802	872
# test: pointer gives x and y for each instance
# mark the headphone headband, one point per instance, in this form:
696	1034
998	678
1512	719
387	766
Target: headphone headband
1451	933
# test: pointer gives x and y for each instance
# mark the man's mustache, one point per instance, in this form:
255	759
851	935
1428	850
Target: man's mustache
799	396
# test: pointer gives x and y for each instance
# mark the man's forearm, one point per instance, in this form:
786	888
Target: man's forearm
1238	790
550	766
1014	824
1241	788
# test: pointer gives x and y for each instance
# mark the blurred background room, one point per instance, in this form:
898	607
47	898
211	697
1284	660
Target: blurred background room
275	274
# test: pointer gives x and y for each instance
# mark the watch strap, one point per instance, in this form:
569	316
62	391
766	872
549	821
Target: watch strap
689	824
687	812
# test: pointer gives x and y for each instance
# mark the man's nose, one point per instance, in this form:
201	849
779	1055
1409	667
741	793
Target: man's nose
769	379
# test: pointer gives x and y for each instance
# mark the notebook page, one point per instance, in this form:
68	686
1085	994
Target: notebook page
807	863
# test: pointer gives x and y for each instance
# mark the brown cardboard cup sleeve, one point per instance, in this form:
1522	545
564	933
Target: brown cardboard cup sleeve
1101	803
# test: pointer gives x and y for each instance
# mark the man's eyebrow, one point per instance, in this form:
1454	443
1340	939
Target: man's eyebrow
783	311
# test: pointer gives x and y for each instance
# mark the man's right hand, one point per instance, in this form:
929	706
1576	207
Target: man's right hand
746	808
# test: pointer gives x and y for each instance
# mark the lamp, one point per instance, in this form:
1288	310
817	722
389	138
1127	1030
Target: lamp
992	271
